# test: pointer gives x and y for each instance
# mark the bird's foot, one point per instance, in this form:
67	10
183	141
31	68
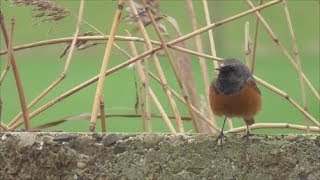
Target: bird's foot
220	139
247	136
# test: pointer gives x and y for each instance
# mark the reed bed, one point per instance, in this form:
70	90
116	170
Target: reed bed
143	14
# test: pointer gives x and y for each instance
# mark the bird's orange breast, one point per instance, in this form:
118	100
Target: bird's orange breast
246	103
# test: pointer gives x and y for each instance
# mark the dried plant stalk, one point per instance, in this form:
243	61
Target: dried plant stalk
287	97
22	98
283	50
213	53
254	48
177	74
203	127
274	126
144	79
298	61
102	116
6	40
104	65
3	126
158	67
162	112
247	49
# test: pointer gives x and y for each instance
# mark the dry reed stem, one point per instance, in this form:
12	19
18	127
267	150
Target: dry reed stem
283	50
210	33
102	116
158	67
74	40
4	126
162	112
6	40
176	73
5	33
143	55
104	66
195	110
247	49
213	53
17	79
144	79
68	39
287	97
273	126
255	44
203	66
298	61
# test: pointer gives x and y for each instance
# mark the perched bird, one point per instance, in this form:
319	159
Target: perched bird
234	93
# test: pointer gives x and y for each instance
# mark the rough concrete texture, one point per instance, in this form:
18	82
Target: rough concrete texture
157	156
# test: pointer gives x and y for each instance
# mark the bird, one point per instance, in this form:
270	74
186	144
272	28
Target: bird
234	93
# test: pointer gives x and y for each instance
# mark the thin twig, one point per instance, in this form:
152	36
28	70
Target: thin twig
298	61
17	79
104	65
283	49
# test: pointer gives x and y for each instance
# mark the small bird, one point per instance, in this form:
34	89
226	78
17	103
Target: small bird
234	93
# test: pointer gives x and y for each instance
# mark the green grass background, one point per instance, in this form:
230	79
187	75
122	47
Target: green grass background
40	66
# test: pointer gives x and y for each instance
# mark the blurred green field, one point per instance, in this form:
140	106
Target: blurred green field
40	66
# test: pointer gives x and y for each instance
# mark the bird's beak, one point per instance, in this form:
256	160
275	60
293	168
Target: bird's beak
217	69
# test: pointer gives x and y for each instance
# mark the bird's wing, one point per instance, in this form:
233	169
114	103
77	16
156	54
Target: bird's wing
252	83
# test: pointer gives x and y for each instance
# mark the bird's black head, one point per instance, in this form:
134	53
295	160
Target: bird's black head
232	76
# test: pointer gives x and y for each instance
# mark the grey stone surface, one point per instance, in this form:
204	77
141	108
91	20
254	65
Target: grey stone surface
157	156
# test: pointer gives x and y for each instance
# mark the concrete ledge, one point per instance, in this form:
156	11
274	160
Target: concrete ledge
157	156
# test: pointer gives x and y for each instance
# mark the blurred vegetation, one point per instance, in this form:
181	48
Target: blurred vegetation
40	66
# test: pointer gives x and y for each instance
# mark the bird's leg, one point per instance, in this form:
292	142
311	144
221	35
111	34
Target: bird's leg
248	134
221	135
